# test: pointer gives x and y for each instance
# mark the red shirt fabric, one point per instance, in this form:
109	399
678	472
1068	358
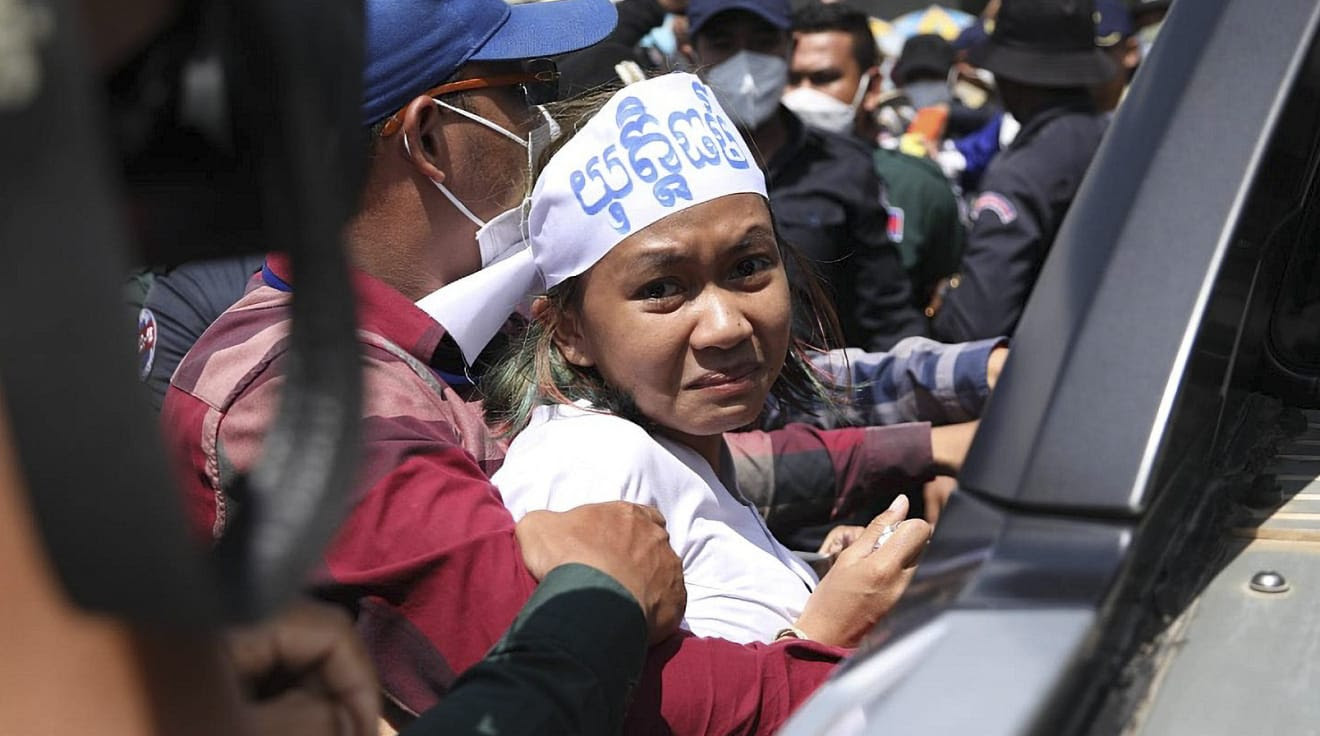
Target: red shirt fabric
427	553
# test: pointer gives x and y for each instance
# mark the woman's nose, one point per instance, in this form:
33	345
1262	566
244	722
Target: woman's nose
721	322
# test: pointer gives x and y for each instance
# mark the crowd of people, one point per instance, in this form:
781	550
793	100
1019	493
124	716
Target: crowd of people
671	350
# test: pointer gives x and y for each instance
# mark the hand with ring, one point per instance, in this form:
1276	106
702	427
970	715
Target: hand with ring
866	581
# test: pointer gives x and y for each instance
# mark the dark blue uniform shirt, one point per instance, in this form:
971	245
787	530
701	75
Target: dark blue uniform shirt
827	202
1025	194
178	307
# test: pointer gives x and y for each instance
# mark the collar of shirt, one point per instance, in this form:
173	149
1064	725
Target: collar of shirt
1069	106
796	140
380	309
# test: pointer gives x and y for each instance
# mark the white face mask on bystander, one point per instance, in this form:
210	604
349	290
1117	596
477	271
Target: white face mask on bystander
824	111
502	234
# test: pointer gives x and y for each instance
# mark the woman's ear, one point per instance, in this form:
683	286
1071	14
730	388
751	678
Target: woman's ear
565	330
423	142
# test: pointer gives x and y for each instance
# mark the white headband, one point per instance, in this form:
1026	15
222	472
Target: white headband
656	148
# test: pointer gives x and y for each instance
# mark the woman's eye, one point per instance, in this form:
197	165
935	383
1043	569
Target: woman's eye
659	290
752	266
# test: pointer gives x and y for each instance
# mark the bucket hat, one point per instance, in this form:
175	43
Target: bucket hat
1047	43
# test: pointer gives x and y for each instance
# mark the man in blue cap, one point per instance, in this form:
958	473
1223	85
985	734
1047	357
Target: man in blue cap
824	193
437	573
1115	34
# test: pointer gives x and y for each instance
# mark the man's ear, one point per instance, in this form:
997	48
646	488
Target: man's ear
565	329
423	142
875	89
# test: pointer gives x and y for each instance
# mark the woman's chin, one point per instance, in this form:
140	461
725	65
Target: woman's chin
725	419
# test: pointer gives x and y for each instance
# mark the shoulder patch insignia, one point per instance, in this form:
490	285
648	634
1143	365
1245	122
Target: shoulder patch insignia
996	203
146	342
896	218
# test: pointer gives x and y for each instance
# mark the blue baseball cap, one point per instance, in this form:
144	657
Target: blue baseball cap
414	45
1113	22
777	13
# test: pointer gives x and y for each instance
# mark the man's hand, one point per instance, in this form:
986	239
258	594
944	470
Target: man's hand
949	445
626	541
865	581
839	538
307	672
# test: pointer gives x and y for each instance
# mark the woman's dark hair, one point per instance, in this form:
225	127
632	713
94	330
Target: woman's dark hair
532	371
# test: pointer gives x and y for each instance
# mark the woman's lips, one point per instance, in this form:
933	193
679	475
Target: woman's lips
733	377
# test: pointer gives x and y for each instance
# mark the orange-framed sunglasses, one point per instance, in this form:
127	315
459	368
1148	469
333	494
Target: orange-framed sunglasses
540	83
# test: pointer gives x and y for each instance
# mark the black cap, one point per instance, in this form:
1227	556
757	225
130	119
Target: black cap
925	55
777	13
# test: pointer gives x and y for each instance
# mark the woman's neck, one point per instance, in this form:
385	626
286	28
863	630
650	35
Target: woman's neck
709	447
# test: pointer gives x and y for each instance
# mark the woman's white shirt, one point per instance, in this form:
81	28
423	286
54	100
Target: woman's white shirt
742	585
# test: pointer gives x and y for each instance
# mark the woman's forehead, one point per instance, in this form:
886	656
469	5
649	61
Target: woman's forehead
725	218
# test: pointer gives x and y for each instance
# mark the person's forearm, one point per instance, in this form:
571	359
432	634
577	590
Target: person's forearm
567	665
920	380
801	475
693	686
949	445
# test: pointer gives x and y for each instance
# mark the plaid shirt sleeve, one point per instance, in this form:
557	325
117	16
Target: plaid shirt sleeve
807	470
802	475
919	380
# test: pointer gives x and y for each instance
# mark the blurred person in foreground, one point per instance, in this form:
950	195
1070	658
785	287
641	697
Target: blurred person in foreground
96	654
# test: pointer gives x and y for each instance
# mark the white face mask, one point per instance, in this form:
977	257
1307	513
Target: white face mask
928	92
1146	38
749	85
498	237
824	111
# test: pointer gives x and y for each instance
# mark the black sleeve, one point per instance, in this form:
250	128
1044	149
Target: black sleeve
882	298
567	665
941	249
594	65
183	303
999	264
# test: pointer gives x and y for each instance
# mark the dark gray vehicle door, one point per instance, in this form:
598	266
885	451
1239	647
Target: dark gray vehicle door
1129	422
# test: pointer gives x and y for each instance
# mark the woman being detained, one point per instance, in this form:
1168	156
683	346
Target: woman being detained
665	320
